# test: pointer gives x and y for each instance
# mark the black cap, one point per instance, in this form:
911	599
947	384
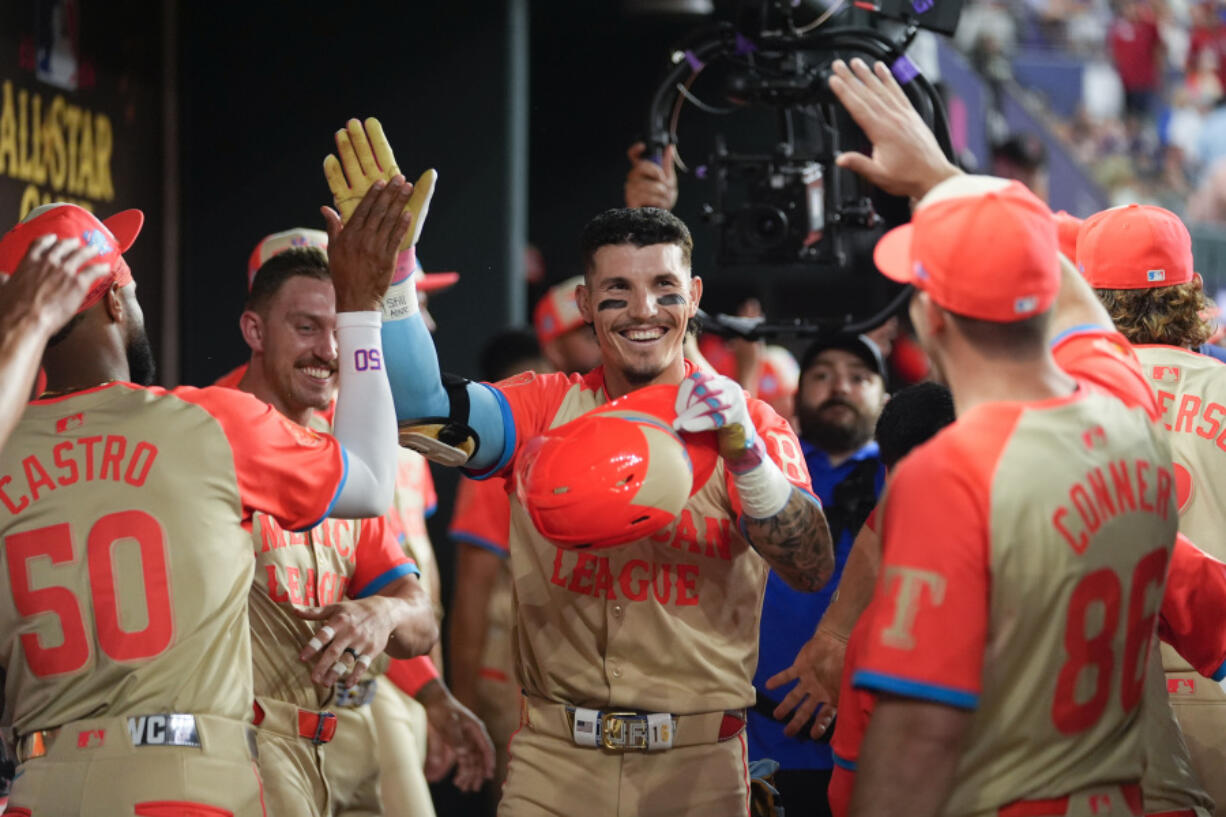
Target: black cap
861	346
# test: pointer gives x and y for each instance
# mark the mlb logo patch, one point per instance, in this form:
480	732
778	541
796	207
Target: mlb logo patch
1167	374
91	738
1180	686
69	423
1155	275
1025	304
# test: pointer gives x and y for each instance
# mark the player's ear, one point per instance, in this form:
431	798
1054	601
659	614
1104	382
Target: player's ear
695	294
583	297
114	304
252	326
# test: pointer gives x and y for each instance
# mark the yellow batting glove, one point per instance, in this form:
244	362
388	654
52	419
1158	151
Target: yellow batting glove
365	158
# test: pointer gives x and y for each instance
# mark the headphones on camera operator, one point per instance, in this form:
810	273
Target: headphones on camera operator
791	213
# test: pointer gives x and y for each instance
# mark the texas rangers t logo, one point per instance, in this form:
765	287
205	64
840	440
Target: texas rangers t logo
911	582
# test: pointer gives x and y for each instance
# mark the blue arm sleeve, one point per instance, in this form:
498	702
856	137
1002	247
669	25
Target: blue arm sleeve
417	390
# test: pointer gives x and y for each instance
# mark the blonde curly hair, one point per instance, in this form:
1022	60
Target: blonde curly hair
1175	315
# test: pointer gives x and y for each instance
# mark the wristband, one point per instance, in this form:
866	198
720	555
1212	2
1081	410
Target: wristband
411	674
764	490
400	301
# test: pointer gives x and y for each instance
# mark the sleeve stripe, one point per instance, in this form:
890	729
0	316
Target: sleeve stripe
843	763
1076	330
1220	673
938	693
508	431
387	577
340	487
478	541
430	509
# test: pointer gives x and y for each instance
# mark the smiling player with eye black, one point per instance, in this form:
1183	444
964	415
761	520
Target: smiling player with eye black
636	661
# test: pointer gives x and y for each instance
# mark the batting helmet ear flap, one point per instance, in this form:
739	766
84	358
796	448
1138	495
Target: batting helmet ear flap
612	476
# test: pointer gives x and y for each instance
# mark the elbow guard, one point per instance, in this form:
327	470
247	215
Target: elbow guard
446	440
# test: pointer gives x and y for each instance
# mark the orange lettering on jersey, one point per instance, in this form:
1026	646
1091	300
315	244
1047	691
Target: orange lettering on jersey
687	581
556	578
1189	407
89	443
659	569
603	583
634	589
581	573
310	588
272	585
910	587
112	455
686	533
138	467
8	503
31	465
291	581
68	465
1128	491
1215	423
1165	398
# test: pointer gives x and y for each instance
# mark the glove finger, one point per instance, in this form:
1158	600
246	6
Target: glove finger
336	177
684	393
419	205
382	149
696	424
361	146
358	183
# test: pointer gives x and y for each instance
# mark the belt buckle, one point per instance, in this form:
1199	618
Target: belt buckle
318	738
618	732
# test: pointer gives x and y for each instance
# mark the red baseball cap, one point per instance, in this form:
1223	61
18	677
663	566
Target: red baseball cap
110	238
1067	228
1137	246
277	243
433	281
980	246
558	311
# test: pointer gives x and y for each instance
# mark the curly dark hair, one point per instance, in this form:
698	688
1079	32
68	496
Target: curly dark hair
1174	315
640	226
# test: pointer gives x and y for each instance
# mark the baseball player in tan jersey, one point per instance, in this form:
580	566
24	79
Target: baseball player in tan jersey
1139	260
659	631
288	325
125	523
1008	652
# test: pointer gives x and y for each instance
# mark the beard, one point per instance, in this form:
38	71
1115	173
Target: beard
141	367
831	435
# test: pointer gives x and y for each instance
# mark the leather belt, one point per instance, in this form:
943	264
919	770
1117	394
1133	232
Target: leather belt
168	729
317	727
360	694
626	730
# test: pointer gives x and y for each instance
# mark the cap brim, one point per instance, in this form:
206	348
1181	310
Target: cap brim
434	281
893	255
125	226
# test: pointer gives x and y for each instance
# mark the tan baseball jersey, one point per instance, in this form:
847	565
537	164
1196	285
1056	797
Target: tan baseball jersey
332	561
666	624
125	514
1025	550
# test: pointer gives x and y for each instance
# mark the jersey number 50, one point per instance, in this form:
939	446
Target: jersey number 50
1095	653
55	542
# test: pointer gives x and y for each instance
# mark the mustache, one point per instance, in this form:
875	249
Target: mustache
837	401
316	363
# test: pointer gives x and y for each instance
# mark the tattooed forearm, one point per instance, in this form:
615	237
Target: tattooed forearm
795	542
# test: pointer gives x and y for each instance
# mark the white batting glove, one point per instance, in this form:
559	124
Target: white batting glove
708	402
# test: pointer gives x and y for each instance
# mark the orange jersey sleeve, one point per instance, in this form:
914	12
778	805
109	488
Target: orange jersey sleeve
292	473
928	622
1193	607
782	447
1105	359
482	515
378	559
855	708
529	402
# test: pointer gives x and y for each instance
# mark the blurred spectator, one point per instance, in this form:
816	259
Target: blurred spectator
1207	42
1136	48
567	342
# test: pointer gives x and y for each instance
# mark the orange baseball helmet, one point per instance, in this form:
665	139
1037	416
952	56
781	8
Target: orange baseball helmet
614	475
